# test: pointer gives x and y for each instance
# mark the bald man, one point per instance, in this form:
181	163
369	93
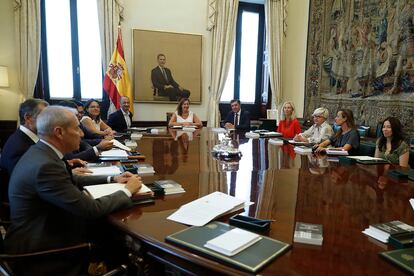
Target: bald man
121	120
48	208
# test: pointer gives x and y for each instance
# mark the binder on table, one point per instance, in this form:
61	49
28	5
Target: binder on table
252	259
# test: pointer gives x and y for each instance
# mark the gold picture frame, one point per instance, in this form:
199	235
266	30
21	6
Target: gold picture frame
183	53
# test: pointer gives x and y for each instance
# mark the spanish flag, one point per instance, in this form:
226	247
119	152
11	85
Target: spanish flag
116	81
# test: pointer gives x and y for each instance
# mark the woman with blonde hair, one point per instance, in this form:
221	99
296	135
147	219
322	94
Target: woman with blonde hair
289	126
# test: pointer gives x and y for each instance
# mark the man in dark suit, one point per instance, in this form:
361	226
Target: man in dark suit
25	136
237	118
48	207
164	83
121	120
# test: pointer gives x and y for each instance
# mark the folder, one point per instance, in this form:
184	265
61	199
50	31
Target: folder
252	259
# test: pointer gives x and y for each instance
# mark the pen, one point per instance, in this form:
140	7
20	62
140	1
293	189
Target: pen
262	220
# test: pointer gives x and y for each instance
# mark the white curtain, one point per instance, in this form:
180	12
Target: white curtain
27	29
275	17
224	32
110	14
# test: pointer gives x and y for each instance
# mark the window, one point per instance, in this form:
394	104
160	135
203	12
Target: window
244	80
71	49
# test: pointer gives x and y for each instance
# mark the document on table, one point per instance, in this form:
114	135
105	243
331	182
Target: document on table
120	145
114	153
366	158
201	211
111	170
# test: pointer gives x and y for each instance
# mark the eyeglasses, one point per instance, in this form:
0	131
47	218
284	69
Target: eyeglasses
317	116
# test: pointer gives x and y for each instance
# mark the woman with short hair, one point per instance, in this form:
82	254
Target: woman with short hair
319	131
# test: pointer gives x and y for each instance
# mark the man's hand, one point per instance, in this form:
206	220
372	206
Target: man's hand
77	163
104	145
229	125
134	184
81	171
124	177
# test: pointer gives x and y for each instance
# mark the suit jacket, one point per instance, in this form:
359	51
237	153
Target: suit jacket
17	144
49	210
244	121
158	80
85	152
117	121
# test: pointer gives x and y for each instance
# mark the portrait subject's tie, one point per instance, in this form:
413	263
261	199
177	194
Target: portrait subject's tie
236	117
164	74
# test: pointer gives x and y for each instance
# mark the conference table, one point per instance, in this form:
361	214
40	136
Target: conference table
285	187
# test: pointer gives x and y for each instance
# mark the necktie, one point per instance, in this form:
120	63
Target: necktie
236	117
164	74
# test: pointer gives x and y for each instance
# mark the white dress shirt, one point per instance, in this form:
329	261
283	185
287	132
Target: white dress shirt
29	133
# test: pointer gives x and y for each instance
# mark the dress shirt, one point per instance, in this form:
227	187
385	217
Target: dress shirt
29	133
127	118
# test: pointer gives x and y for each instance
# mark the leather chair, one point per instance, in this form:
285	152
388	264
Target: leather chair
7	259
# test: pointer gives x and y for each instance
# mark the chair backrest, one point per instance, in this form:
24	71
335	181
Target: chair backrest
168	115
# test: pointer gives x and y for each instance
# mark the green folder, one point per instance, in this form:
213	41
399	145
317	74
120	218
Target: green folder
402	257
251	259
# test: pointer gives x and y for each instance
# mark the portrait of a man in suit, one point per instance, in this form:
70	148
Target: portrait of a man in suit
164	83
167	66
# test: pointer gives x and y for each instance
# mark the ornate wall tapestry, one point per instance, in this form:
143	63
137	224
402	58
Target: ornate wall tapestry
360	56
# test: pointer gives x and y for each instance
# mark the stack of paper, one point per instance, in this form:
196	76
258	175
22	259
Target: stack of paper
302	150
270	134
252	135
275	141
233	241
97	191
170	187
219	130
138	128
383	231
120	145
111	170
308	233
145	169
114	154
336	152
201	211
366	158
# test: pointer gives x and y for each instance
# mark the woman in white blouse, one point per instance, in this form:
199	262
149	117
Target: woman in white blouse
320	131
92	119
183	116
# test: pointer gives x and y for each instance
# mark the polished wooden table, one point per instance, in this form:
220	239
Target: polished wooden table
285	187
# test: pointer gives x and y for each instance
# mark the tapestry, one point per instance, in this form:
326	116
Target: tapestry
360	56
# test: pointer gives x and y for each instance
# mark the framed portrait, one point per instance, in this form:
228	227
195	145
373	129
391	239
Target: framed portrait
167	66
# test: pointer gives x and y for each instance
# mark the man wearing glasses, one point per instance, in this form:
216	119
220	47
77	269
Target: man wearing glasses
320	130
